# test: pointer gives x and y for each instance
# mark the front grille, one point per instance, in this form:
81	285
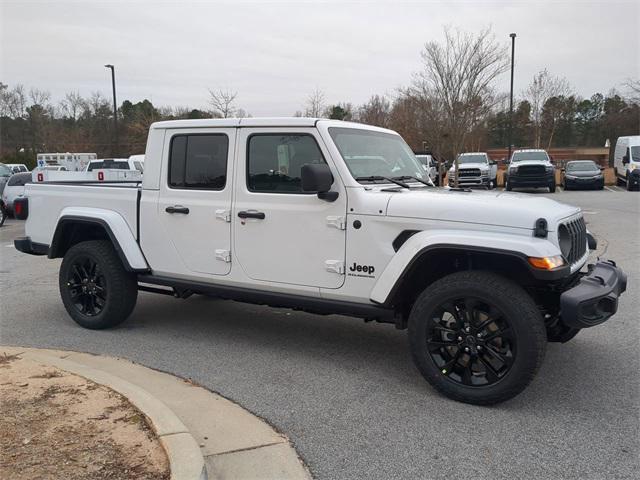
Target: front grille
578	234
469	172
531	170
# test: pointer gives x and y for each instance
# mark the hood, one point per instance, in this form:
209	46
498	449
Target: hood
529	162
481	166
508	209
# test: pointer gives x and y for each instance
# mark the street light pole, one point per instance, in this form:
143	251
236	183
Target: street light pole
513	51
114	151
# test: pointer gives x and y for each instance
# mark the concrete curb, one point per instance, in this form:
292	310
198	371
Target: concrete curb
204	434
185	459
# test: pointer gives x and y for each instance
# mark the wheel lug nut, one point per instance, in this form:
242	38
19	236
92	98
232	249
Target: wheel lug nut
479	335
466	349
459	339
467	329
479	347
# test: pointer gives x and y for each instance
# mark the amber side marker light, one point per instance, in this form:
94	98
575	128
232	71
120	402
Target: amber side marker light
547	263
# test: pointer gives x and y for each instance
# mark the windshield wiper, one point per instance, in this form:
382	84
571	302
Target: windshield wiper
374	178
410	177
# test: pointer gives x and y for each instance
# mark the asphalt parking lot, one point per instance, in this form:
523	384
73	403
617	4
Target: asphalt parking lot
347	393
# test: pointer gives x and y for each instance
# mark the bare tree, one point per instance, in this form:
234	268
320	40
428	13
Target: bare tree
633	86
13	103
315	105
375	112
222	102
543	87
39	97
459	74
72	105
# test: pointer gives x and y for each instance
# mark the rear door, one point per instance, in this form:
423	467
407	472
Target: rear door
282	234
194	202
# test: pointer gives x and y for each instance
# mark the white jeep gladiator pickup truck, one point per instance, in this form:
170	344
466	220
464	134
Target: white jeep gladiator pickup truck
330	217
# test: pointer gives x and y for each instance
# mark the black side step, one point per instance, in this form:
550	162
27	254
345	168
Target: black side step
322	306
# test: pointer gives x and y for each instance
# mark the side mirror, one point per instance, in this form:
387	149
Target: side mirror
625	159
317	178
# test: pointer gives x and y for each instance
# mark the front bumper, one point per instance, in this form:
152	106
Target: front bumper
584	182
634	177
470	181
25	245
595	298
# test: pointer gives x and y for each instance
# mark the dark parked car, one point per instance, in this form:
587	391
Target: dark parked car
582	174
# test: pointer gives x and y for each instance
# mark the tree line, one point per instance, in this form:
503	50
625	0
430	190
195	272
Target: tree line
450	105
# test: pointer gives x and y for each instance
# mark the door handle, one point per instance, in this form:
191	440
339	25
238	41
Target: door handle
177	209
251	214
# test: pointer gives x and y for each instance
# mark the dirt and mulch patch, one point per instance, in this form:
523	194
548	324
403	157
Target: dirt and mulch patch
58	425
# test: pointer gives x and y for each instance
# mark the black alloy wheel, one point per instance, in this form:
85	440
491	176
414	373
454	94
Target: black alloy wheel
471	341
87	286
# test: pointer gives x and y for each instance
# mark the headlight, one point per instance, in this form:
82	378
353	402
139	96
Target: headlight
550	168
632	166
572	177
564	240
513	169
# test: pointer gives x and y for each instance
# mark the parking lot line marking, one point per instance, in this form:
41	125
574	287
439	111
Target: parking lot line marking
610	189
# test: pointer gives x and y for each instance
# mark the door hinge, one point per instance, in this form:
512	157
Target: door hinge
336	266
224	215
224	255
337	222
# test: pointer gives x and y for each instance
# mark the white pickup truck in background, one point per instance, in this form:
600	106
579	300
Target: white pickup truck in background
475	169
329	217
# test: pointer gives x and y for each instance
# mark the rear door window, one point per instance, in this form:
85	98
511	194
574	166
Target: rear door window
198	161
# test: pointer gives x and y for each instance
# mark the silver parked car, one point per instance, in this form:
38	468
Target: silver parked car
15	188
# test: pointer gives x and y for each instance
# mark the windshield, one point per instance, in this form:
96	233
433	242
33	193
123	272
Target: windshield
582	166
479	158
124	165
375	154
635	153
519	156
19	180
4	170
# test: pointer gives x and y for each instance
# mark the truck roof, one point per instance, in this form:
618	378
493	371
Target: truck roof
260	122
238	122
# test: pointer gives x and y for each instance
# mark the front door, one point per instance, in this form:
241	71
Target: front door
282	234
194	206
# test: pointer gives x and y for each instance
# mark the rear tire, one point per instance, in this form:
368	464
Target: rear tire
500	309
508	187
552	188
95	288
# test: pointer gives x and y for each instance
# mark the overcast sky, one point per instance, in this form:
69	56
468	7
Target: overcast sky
275	53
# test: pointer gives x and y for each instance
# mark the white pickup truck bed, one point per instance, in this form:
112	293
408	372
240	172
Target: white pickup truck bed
50	201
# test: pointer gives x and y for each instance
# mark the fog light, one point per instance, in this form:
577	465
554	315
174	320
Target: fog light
547	263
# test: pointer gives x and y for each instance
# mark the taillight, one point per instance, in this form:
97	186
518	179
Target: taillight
21	208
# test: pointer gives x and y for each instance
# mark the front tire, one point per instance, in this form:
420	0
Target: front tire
96	290
477	337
